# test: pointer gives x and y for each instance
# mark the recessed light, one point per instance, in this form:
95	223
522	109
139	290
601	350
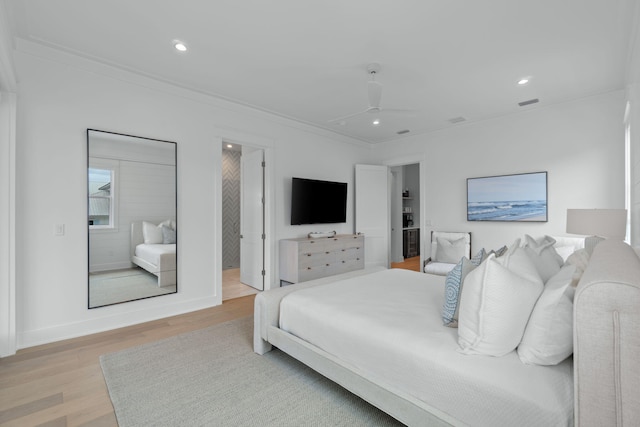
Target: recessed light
523	81
180	46
229	146
376	122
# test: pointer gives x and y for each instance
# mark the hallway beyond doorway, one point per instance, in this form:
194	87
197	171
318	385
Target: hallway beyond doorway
232	287
412	263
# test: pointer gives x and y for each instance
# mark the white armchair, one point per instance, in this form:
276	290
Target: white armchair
447	248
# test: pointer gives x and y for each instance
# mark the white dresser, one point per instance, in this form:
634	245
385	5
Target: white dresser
307	259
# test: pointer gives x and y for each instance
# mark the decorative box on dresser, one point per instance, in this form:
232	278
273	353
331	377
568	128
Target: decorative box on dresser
306	259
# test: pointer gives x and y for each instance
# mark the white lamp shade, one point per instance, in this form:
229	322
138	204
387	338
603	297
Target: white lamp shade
609	223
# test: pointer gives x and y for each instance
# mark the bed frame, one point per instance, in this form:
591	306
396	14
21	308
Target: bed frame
165	270
606	346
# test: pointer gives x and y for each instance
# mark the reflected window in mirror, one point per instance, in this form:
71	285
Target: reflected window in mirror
102	196
132	218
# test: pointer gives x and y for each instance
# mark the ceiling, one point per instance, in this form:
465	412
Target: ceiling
307	60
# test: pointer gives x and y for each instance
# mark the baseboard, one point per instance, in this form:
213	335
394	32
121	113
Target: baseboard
112	317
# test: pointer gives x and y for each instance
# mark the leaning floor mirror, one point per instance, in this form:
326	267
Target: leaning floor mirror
131	205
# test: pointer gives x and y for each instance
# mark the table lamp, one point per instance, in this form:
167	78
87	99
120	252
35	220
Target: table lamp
599	224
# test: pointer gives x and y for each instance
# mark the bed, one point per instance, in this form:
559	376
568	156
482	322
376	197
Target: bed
149	251
394	352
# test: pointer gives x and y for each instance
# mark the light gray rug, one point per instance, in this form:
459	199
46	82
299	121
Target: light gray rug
212	377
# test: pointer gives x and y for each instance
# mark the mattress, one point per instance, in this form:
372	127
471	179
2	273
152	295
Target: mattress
388	325
151	253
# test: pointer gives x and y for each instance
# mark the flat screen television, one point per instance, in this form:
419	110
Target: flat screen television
521	197
318	202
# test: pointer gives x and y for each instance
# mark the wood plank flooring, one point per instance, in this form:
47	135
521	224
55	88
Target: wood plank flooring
61	384
232	287
408	264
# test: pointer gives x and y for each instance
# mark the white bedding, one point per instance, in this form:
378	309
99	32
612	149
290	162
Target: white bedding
388	325
152	252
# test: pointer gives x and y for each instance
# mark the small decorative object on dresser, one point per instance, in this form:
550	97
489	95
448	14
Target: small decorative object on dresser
311	258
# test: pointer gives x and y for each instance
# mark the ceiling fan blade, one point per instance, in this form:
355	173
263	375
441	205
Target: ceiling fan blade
374	89
348	116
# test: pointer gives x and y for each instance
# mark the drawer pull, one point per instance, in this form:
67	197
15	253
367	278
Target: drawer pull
327	265
327	252
308	268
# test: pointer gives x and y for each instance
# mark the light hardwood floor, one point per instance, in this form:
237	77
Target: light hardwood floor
408	264
61	384
232	287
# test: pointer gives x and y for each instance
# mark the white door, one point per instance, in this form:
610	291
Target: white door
252	219
396	214
372	212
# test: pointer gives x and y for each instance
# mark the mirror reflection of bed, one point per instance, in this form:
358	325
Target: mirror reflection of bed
132	218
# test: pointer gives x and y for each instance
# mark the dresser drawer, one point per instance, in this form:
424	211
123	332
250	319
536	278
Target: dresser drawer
307	259
310	259
311	273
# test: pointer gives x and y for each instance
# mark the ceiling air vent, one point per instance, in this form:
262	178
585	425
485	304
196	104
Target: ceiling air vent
403	131
529	102
457	120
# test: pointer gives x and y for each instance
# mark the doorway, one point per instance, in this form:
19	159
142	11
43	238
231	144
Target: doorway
242	220
405	216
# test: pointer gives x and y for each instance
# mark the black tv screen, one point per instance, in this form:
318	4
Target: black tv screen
318	202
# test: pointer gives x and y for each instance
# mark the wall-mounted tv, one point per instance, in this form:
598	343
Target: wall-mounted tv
318	202
521	197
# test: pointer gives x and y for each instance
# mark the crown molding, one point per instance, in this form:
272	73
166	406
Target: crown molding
95	65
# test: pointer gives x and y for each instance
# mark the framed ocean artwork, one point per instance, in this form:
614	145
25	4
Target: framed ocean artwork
520	197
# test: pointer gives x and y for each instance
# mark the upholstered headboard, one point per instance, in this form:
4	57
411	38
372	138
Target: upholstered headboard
607	338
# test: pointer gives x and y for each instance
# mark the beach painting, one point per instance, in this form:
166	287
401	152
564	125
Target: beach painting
521	197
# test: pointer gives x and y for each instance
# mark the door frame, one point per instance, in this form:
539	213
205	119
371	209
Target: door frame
422	162
267	145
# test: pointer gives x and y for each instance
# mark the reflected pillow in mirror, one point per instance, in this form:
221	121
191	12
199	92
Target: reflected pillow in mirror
152	233
168	223
168	235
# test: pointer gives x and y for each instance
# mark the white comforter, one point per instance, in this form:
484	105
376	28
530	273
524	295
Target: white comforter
388	325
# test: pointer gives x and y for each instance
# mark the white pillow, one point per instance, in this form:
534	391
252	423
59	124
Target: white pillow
497	300
543	255
450	251
152	233
548	337
579	259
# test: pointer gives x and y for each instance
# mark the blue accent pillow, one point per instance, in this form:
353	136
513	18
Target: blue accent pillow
453	290
168	235
479	257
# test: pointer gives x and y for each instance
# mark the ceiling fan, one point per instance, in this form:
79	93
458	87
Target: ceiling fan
374	92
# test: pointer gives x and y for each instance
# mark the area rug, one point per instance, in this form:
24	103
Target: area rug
212	377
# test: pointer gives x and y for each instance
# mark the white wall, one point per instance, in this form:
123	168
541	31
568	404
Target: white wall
633	97
60	96
580	144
